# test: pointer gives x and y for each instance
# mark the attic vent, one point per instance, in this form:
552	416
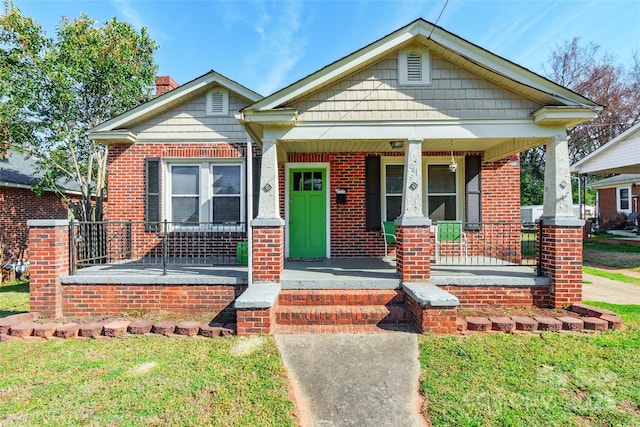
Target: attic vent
217	102
414	67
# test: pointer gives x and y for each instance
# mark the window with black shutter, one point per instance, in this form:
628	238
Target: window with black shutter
152	194
372	195
472	169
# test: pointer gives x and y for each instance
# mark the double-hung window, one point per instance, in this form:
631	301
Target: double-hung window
624	199
443	189
205	192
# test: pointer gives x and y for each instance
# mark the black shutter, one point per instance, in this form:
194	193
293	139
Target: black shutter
257	165
372	196
473	196
152	194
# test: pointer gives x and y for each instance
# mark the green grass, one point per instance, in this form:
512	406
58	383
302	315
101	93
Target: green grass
546	379
144	381
14	298
620	277
629	313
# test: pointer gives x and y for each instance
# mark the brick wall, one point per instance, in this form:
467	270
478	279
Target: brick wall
562	263
500	203
103	300
17	205
607	205
499	296
413	253
268	254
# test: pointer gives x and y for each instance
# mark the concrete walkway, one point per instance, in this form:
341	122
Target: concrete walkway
611	291
354	380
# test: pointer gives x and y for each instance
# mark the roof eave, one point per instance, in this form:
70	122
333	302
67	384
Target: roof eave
563	116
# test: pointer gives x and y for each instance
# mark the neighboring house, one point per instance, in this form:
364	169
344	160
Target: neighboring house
615	195
419	128
619	193
18	203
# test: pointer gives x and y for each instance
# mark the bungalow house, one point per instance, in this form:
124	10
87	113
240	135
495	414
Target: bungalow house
618	194
18	203
418	133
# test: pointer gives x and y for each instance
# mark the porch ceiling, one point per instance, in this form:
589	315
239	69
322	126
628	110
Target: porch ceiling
492	147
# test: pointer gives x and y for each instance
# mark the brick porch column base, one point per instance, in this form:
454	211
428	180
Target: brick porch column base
413	251
256	309
267	252
48	260
562	263
433	309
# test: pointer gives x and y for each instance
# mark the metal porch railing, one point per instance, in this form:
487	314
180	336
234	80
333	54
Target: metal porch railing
162	243
486	243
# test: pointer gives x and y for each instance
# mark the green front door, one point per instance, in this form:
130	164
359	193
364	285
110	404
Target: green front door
307	213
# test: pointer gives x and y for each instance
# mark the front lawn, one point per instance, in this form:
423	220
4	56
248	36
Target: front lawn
614	255
535	379
144	381
14	298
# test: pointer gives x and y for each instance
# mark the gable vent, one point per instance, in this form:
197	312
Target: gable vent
217	102
414	67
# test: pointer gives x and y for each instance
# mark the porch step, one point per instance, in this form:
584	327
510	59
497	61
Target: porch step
342	297
342	315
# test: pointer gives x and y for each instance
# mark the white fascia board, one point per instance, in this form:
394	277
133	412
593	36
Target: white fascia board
507	68
280	117
597	186
123	136
440	129
629	133
173	96
342	67
563	116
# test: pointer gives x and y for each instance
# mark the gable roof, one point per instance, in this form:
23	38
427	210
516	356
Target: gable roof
20	171
469	55
620	155
113	128
617	180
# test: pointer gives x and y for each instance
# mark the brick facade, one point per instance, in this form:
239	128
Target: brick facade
104	300
268	253
49	248
17	206
414	251
487	296
255	321
607	204
562	263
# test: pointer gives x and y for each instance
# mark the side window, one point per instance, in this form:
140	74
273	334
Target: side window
442	198
226	193
394	176
185	193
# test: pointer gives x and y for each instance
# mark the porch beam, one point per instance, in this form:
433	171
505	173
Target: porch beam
510	148
426	130
558	202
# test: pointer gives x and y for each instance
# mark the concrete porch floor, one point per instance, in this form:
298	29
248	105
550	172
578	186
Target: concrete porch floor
334	273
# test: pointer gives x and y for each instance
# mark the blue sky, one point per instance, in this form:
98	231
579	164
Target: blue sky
266	45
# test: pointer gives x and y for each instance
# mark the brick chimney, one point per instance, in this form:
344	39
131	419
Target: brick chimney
165	84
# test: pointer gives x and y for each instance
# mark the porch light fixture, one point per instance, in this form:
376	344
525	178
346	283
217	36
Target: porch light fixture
396	145
453	166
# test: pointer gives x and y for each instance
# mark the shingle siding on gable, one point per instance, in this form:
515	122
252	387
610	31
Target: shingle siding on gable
374	94
189	121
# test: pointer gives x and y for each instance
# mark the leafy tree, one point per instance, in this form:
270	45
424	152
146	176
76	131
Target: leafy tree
52	90
597	76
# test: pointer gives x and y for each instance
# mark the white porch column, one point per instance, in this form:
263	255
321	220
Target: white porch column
558	202
269	201
412	192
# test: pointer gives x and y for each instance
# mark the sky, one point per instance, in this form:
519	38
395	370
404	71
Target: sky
266	45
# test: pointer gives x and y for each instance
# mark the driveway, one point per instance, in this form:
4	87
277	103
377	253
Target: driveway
611	291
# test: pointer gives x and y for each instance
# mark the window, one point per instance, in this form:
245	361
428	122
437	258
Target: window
414	67
218	102
441	193
443	198
623	199
206	192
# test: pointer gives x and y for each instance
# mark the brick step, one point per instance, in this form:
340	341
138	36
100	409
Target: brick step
342	315
331	297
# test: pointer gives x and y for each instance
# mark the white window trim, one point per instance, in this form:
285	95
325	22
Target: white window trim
206	192
426	161
403	77
225	102
618	207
